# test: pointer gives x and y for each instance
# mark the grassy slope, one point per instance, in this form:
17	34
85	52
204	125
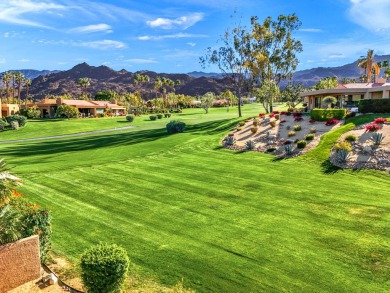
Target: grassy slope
224	221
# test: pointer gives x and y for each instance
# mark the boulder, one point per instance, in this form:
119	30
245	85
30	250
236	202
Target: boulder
367	149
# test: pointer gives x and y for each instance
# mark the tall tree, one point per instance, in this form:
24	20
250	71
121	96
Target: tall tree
273	50
267	92
19	77
27	83
326	83
207	101
231	59
13	79
366	64
292	93
7	81
84	83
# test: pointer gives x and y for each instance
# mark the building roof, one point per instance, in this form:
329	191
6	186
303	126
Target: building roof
78	103
353	88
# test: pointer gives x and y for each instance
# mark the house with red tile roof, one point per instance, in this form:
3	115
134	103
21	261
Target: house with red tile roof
48	107
347	95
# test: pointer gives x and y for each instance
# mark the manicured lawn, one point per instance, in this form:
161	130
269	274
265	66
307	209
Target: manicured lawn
223	221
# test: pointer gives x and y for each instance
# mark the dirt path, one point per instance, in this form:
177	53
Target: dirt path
67	135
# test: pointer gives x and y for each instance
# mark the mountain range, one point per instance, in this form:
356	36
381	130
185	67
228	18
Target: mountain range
195	83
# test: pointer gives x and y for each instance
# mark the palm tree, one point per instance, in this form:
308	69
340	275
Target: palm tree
367	64
84	83
7	79
27	83
19	77
13	78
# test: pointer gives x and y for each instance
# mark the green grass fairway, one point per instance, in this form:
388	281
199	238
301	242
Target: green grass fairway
221	221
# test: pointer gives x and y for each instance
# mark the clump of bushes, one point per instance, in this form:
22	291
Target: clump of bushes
297	127
31	112
380	120
175	126
326	114
254	129
2	124
153	117
250	145
313	130
241	123
18	118
67	111
167	115
239	129
291	133
350	137
330	122
104	268
374	106
159	116
301	144
309	136
229	140
130	118
255	122
271	149
372	127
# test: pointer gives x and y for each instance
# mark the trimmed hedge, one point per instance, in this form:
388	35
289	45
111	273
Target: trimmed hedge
326	114
130	118
374	106
104	268
2	124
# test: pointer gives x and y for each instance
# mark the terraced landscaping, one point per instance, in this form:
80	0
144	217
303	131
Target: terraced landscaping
222	221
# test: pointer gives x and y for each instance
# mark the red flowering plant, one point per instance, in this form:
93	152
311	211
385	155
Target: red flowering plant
297	114
283	113
380	120
262	115
331	122
282	120
372	127
275	112
298	118
272	115
312	121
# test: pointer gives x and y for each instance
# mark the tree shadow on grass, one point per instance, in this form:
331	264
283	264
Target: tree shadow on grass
76	144
328	168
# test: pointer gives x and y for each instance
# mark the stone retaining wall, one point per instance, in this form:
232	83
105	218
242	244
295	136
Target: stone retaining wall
19	263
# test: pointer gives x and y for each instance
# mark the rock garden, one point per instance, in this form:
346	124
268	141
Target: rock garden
286	134
289	134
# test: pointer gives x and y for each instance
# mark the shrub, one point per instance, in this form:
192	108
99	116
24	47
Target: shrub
277	116
255	122
2	124
326	114
230	140
15	125
380	120
104	268
167	115
331	122
272	115
159	116
298	119
272	123
34	221
239	129
342	156
254	129
350	137
175	126
262	115
18	118
374	106
297	127
288	149
297	114
31	112
291	133
344	145
309	136
329	100
241	123
153	117
312	121
130	118
377	138
301	144
250	145
282	120
275	112
67	111
372	127
313	130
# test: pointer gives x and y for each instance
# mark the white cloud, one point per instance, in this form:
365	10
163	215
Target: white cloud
17	11
371	14
93	28
6	35
24	60
174	36
2	61
311	30
105	44
337	56
141	61
191	44
182	22
106	63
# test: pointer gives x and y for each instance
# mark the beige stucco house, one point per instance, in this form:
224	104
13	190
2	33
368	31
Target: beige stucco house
348	95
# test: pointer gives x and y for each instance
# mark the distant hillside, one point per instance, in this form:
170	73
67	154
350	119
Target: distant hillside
103	78
32	73
194	83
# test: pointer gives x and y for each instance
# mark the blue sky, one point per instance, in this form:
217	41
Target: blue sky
170	36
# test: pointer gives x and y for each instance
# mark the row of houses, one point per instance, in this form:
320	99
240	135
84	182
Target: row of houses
48	107
347	95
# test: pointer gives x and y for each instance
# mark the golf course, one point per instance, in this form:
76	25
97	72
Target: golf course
188	210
